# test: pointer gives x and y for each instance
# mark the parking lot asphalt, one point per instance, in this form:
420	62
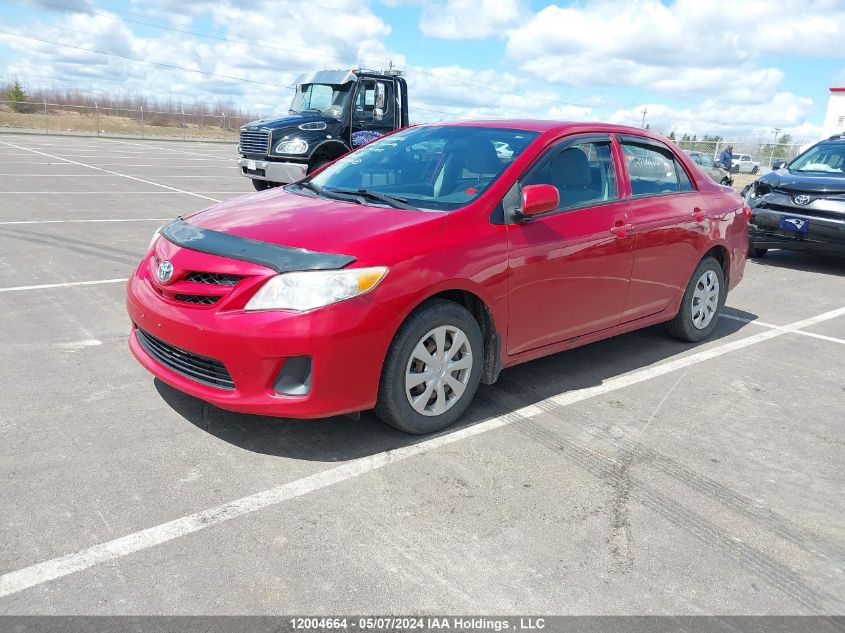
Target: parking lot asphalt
638	475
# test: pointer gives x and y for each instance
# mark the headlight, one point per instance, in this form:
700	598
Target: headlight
155	237
307	290
296	146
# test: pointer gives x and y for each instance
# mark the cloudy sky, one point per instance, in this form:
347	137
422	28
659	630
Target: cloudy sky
697	66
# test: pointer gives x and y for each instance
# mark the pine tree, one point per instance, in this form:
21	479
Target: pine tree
17	96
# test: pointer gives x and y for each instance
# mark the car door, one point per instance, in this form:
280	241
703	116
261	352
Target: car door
570	268
373	111
670	222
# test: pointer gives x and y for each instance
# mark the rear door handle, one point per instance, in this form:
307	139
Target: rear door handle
621	230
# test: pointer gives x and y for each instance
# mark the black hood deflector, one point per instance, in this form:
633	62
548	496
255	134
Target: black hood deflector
282	259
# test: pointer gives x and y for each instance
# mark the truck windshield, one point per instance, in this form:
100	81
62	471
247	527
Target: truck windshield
328	100
431	167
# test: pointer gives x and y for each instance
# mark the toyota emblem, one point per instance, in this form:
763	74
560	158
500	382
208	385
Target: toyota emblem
165	271
802	199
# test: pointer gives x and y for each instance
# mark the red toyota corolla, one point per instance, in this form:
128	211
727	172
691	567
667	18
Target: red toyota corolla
407	272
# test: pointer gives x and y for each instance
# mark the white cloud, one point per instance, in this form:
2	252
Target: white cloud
686	47
470	19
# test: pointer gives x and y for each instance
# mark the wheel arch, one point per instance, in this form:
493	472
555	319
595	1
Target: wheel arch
327	151
721	254
483	315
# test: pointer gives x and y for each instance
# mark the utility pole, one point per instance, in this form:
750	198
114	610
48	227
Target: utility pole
644	111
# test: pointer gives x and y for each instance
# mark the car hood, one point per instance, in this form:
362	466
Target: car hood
291	120
319	224
804	181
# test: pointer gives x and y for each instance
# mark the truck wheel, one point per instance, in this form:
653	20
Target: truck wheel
756	253
701	304
755	169
260	185
432	369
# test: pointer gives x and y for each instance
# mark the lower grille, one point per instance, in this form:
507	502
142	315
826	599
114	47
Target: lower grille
200	300
208	371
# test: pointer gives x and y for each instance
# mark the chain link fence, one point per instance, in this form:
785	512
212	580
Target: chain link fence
55	118
762	153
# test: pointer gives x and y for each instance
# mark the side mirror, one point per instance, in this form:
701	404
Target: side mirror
778	164
538	199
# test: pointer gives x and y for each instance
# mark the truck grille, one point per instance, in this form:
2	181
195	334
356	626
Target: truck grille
199	368
255	142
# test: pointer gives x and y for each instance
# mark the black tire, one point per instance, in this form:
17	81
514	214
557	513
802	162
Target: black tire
682	326
756	253
755	169
394	406
261	185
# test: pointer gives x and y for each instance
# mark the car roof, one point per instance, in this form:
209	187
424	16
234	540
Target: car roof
542	125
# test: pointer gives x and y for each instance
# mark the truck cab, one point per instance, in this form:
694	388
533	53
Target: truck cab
332	113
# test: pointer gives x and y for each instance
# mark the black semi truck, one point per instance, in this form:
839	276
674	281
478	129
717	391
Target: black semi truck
332	113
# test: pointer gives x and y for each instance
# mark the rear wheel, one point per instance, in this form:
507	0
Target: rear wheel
432	369
755	169
702	303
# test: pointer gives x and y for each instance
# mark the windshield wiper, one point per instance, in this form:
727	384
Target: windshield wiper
328	193
393	201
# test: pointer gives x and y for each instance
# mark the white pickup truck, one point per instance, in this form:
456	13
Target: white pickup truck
742	164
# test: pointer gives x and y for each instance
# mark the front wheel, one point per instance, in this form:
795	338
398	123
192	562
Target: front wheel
432	369
260	185
702	303
756	253
755	169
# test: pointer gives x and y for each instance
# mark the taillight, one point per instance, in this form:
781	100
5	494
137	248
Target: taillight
747	211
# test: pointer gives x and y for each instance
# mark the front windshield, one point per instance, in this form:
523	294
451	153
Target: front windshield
429	167
828	159
328	100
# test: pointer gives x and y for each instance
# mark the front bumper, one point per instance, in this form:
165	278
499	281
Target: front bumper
346	342
285	173
825	230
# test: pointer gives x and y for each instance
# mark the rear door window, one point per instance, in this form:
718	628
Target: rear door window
653	170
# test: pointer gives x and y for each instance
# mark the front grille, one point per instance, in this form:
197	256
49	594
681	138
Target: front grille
199	368
804	211
215	279
255	142
200	300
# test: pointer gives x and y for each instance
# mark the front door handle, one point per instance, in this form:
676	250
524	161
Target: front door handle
621	230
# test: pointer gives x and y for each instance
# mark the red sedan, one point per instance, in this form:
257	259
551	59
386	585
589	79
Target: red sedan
405	273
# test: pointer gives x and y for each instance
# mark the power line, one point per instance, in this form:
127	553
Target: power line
309	51
147	61
220	38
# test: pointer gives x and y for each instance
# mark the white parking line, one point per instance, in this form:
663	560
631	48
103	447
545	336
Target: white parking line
168	149
148	182
75	221
65	285
27	577
822	337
